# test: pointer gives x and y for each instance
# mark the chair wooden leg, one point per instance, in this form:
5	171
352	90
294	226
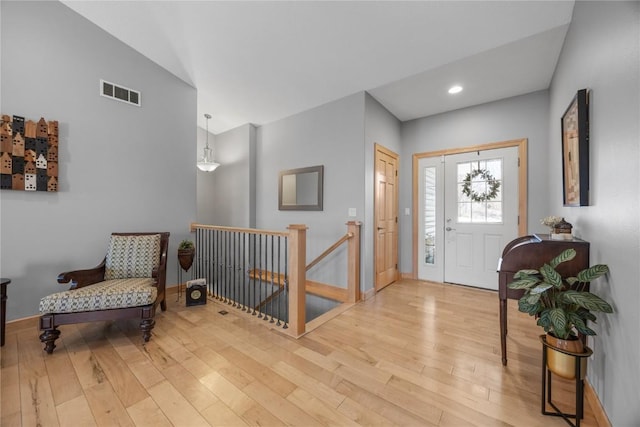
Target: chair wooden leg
48	337
147	325
163	305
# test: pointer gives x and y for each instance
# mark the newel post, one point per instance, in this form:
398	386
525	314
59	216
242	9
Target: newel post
297	278
353	252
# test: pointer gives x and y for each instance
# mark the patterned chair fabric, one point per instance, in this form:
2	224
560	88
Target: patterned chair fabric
132	256
117	293
128	284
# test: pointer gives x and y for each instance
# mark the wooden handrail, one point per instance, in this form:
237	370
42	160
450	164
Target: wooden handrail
267	276
194	226
329	250
274	295
324	290
327	291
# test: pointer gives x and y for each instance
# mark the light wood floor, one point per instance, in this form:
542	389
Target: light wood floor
417	354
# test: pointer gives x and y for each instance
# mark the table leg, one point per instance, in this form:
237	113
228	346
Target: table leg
3	315
503	330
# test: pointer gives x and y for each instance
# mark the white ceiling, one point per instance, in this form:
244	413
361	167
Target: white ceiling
256	62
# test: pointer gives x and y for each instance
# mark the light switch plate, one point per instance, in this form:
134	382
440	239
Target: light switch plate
352	212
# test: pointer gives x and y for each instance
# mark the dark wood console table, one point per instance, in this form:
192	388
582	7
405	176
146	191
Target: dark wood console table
532	252
3	316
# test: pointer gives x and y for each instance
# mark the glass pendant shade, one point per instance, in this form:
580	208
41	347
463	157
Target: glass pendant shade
206	162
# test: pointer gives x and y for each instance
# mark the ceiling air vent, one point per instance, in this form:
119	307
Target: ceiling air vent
119	93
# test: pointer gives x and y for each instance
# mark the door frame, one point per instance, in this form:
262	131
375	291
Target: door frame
385	150
522	185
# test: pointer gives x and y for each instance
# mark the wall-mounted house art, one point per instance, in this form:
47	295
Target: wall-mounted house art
28	154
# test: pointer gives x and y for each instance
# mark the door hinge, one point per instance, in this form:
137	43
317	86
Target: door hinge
396	266
396	220
518	161
518	219
396	172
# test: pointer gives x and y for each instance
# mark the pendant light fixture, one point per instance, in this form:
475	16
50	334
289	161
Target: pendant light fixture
206	163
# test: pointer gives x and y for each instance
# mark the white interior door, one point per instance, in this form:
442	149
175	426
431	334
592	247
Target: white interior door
463	244
480	214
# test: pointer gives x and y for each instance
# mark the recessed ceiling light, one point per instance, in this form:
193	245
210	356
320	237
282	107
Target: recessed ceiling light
455	89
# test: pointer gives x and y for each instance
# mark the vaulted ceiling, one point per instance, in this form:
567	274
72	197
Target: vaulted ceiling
256	62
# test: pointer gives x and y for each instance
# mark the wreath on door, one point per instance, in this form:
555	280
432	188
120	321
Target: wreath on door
492	184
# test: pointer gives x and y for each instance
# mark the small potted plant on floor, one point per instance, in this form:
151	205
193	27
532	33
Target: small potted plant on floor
186	252
563	306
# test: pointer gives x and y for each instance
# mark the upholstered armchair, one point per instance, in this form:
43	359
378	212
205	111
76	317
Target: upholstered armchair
128	284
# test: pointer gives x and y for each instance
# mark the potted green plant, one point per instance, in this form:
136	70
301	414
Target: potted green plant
186	252
563	306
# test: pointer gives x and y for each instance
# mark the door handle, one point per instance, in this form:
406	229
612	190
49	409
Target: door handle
450	229
380	228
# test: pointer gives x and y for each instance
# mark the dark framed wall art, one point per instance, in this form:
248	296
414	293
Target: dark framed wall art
28	154
575	151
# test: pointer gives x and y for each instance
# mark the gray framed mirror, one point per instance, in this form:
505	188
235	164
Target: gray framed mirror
301	189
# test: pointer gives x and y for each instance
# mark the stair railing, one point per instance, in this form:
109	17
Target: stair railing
263	272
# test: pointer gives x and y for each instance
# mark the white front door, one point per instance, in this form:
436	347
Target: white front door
468	208
480	214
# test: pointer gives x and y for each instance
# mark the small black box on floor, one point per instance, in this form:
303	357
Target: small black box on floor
196	292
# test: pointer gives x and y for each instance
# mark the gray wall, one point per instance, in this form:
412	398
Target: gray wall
121	168
226	196
601	53
525	116
329	135
339	135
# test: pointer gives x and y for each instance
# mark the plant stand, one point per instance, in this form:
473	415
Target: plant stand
183	276
547	386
